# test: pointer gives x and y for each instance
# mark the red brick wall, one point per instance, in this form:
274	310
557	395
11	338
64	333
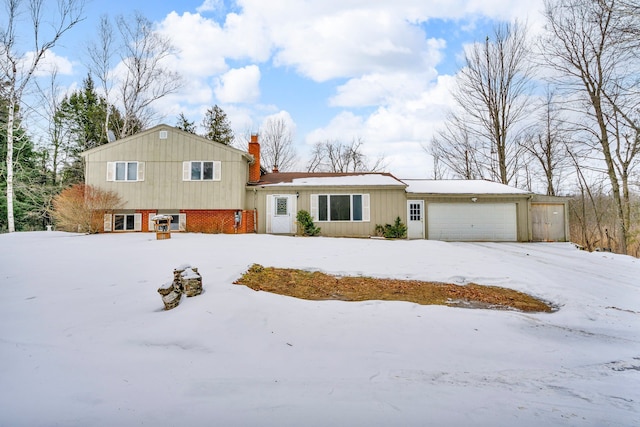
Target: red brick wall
145	218
218	221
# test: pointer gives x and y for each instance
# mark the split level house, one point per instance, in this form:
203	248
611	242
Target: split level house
210	187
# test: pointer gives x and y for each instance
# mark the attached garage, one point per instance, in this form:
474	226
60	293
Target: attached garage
549	219
471	210
496	222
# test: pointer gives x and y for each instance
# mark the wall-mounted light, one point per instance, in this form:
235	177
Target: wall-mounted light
297	194
474	199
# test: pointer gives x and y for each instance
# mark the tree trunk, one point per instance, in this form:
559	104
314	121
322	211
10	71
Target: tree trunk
10	122
611	172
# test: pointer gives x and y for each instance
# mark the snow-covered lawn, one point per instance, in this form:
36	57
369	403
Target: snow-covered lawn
84	340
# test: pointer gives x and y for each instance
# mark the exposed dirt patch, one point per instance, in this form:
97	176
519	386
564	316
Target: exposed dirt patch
313	285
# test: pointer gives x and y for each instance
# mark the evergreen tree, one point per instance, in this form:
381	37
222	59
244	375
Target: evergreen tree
216	126
186	125
28	178
82	115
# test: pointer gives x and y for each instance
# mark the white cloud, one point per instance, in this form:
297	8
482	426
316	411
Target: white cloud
352	43
338	39
209	6
48	64
366	53
397	131
240	85
197	40
284	116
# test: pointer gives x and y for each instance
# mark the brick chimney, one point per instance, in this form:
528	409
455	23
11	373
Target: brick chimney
254	150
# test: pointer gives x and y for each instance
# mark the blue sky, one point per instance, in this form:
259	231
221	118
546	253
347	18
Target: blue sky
335	69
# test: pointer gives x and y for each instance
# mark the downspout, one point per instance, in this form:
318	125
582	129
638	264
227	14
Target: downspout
255	211
529	219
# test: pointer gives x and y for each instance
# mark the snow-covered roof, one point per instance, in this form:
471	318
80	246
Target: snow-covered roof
459	186
160	217
330	180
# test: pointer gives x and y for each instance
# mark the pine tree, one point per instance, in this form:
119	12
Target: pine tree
216	126
28	178
82	116
186	125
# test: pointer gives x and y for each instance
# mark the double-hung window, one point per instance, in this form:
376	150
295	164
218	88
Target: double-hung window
340	207
125	171
201	171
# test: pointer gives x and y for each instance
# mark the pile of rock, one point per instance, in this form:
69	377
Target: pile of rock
186	280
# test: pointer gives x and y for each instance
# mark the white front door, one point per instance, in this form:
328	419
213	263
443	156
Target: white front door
282	212
415	217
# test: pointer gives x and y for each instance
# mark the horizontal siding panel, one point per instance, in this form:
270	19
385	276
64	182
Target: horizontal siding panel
385	206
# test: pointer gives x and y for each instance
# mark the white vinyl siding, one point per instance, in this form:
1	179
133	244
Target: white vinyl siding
340	207
108	219
269	211
125	171
208	170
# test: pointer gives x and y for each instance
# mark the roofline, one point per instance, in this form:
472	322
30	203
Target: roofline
258	186
155	128
288	177
449	194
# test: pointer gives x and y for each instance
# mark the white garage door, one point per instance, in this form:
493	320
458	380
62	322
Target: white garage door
473	221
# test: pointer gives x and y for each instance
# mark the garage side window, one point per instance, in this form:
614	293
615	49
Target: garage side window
340	207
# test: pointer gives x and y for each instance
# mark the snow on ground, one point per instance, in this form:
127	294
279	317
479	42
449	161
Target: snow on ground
85	342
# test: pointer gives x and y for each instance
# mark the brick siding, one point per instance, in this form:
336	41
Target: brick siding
218	221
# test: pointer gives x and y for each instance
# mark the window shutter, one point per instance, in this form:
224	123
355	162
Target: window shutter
366	208
182	222
140	171
186	171
137	222
268	209
111	171
217	172
314	207
151	223
107	222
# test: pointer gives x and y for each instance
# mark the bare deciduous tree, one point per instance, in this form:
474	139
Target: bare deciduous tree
276	145
144	77
590	47
492	91
101	54
546	144
459	150
18	67
336	156
58	146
